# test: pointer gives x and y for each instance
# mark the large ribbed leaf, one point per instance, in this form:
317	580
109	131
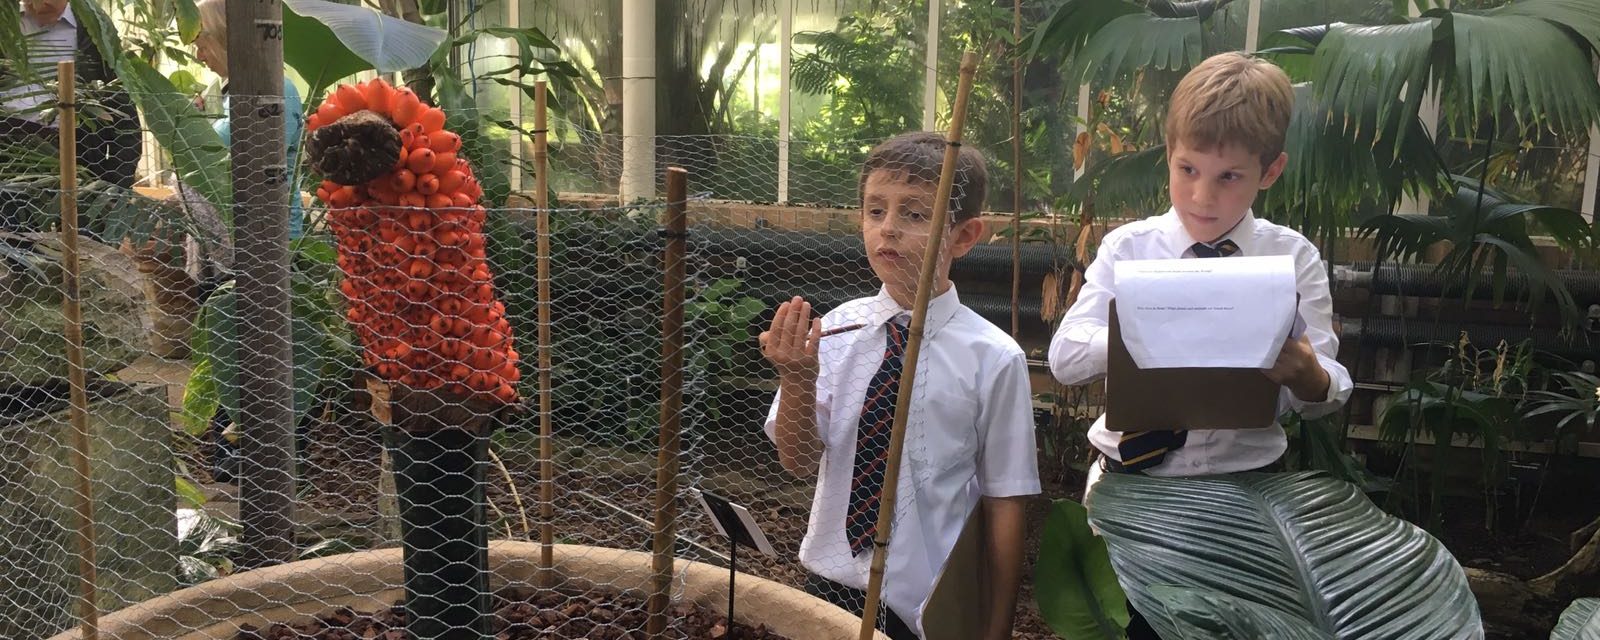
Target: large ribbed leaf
1206	615
1533	67
1302	544
327	41
1581	621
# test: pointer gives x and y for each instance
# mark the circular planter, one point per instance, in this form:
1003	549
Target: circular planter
368	581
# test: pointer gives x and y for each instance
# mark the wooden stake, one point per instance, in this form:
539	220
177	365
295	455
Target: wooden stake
541	164
88	605
919	314
1016	168
676	230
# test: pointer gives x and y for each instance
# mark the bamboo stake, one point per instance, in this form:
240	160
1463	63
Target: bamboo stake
671	400
541	164
88	605
919	314
1016	168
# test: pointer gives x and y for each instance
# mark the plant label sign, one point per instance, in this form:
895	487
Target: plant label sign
734	522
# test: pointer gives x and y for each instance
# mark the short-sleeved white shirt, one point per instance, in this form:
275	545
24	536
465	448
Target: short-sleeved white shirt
1078	350
970	434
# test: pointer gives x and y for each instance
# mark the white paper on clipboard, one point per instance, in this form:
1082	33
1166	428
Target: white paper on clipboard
1222	313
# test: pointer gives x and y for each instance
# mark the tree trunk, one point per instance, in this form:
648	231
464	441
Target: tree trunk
1579	577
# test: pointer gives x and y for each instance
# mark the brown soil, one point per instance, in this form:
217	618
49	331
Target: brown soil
524	614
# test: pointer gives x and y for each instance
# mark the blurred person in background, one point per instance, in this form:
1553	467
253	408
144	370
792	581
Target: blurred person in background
109	144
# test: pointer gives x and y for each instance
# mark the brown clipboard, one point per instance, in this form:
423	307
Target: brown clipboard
957	609
1182	398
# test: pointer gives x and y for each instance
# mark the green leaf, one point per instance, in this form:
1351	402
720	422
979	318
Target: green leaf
188	20
216	341
328	41
310	360
745	310
1074	584
1203	615
190	493
315	249
1579	16
1525	65
718	289
1073	23
1132	43
1580	621
197	151
13	45
1302	544
200	398
1357	65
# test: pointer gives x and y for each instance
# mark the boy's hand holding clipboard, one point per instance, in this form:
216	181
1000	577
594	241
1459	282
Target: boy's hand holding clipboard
1203	344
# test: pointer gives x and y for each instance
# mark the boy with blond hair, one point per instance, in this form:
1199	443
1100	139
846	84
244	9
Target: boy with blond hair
969	440
1225	131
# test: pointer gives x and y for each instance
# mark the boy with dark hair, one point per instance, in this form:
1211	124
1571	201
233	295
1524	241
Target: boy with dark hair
969	440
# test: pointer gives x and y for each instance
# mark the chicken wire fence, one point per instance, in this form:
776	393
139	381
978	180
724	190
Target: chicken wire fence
443	298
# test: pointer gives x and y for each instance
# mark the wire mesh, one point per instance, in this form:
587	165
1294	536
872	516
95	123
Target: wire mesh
443	297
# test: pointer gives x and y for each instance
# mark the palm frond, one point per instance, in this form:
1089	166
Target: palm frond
1520	63
13	46
1135	182
1074	22
1131	43
1582	17
1332	174
1356	65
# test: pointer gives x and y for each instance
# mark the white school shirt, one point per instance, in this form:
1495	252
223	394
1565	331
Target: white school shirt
54	43
969	434
1078	350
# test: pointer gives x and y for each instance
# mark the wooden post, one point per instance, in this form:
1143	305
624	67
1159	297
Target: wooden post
541	163
1016	168
919	314
676	230
88	605
261	221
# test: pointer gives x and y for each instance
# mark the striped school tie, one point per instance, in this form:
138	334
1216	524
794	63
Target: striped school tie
1141	450
872	443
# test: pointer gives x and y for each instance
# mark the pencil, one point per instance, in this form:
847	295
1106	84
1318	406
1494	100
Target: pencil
844	329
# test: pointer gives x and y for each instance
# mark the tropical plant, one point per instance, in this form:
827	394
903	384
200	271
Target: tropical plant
870	67
1475	395
1580	621
1294	555
1576	403
1074	584
1489	233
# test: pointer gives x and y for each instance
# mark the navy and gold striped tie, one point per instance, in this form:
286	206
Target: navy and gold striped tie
1141	450
872	443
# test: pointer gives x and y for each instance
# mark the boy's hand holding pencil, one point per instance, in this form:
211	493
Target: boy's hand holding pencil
791	343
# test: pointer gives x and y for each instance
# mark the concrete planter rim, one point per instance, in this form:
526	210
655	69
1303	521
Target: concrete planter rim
371	579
